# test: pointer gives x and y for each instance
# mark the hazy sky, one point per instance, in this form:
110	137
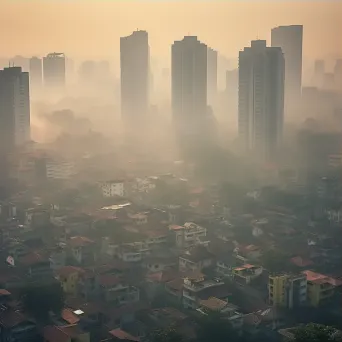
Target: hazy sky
91	28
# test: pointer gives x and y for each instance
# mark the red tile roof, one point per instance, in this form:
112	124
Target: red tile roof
123	335
79	241
4	292
321	278
11	318
69	316
301	262
52	333
109	280
32	258
67	270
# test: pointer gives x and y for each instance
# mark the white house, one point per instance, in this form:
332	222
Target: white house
113	188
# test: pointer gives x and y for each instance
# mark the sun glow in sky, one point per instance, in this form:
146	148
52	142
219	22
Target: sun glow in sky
91	28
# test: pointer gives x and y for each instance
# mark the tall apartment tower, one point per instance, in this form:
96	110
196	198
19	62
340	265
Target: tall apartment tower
290	40
261	100
135	77
189	86
319	71
338	74
212	76
14	108
54	70
36	73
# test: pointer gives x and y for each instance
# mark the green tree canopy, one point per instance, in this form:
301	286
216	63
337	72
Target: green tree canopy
39	300
317	333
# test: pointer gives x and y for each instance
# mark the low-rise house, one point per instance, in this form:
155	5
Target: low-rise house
225	266
321	288
37	217
82	249
187	235
196	289
158	263
57	258
246	273
16	327
131	253
69	333
139	218
196	259
121	335
36	265
113	188
112	289
227	310
69	276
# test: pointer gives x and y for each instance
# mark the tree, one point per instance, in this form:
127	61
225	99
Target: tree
40	300
316	333
214	328
275	261
166	335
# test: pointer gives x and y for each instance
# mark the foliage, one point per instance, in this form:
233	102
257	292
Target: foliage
316	333
215	328
275	261
39	300
167	335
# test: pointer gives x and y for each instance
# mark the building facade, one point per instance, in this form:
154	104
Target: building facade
189	90
261	100
289	291
135	67
36	73
14	109
54	71
212	76
290	40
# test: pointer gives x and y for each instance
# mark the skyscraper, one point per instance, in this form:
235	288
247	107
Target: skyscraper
290	39
319	71
36	73
212	75
338	74
54	70
135	65
14	108
261	99
189	87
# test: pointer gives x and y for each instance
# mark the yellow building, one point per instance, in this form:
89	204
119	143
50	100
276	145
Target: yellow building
287	290
68	276
321	288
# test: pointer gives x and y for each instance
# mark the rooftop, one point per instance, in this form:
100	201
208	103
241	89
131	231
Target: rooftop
79	241
214	304
123	335
65	271
321	278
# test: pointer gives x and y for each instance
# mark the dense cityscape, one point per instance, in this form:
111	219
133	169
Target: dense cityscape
195	202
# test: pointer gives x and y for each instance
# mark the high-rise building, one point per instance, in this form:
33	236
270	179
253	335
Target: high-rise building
135	75
20	61
189	87
36	73
338	74
290	39
261	99
212	75
54	70
14	108
319	71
